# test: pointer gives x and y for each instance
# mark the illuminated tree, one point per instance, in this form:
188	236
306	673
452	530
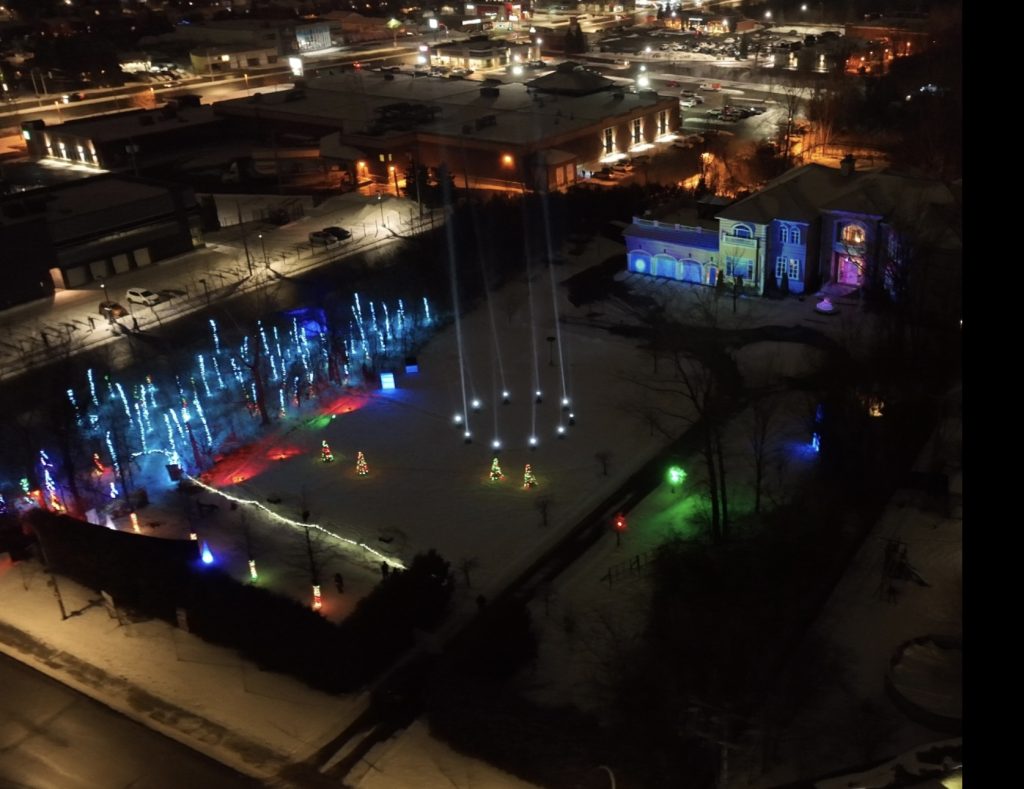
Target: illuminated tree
496	475
362	469
325	452
529	480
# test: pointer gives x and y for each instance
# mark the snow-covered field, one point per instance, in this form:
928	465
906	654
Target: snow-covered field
426	487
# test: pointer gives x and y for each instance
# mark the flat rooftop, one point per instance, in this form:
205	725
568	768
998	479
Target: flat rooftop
352	102
106	128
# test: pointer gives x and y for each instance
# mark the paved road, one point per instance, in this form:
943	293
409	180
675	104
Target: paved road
52	737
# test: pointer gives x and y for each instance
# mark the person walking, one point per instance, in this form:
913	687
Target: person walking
339	582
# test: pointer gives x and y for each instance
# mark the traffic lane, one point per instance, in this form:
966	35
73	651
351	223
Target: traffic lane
52	737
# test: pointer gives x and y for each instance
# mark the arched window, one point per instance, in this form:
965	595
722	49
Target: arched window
853	235
794	235
742	231
784	234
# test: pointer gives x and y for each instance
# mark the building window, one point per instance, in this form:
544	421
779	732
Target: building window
780	267
252	62
638	130
608	140
271	59
784	234
794	269
794	235
852	235
738	268
663	122
742	231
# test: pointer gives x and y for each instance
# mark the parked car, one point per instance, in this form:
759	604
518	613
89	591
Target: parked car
318	238
142	296
537	64
691	101
112	309
339	233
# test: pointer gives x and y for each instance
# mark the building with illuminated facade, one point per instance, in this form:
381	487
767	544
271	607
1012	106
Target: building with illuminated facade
816	225
538	135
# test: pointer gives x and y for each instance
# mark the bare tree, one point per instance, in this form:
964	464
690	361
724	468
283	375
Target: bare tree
693	387
468	565
764	410
257	369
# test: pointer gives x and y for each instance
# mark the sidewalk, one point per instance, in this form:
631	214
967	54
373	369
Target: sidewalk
262	724
48	330
203	696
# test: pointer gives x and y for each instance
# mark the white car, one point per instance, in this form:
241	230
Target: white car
691	101
142	296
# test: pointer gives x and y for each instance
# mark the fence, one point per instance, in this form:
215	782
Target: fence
636	567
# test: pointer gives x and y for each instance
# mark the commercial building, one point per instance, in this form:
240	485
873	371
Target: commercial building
122	141
69	235
538	135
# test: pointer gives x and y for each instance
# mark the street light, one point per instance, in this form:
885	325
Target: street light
263	244
767	14
380	202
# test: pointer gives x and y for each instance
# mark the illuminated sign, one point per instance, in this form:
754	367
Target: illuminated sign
295	64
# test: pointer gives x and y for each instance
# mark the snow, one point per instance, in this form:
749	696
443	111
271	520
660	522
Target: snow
427	488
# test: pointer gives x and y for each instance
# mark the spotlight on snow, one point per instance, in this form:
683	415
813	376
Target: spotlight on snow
457	419
496	444
467	437
561	431
538	395
207	554
476	404
505	396
533	442
565	403
572	419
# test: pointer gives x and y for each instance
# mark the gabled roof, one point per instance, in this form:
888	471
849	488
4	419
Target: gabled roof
804	193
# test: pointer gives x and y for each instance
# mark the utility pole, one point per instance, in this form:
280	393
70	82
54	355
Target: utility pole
245	242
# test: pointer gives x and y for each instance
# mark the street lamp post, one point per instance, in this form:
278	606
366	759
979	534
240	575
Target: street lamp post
380	202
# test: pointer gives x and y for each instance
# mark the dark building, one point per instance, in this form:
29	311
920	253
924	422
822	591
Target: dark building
70	235
124	140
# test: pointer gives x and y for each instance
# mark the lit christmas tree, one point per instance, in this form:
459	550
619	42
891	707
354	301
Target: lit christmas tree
529	480
361	468
496	474
325	452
